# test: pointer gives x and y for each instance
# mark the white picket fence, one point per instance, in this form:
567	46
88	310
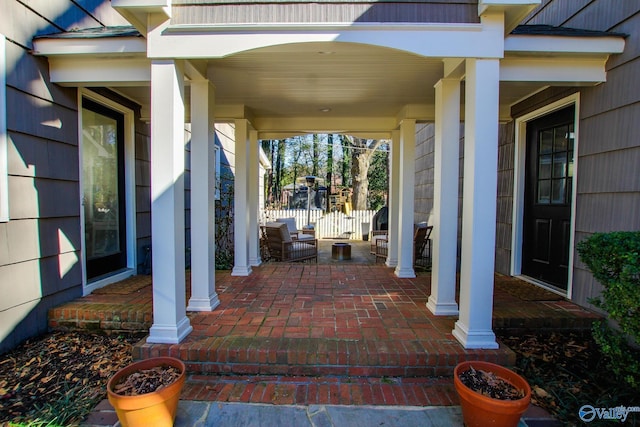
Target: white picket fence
327	225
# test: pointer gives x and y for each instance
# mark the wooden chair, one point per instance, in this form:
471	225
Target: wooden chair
375	236
422	245
283	248
296	234
381	248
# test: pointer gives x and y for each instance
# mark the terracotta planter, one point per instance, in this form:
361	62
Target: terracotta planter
151	409
481	411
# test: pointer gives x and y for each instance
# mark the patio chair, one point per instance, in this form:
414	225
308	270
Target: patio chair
422	245
283	248
294	232
381	248
375	236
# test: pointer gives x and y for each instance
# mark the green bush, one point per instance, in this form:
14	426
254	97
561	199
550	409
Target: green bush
614	261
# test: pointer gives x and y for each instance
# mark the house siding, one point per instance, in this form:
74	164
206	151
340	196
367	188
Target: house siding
44	202
608	183
190	12
504	204
423	194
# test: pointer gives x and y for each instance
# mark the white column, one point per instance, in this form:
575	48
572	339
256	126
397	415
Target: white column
170	323
254	197
394	200
473	329
404	269
240	201
203	173
442	300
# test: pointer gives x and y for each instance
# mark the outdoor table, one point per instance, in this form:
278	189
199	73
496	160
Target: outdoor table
341	251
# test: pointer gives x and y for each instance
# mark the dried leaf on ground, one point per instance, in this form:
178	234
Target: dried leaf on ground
60	377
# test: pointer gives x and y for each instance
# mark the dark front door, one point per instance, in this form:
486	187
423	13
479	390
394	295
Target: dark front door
103	195
548	187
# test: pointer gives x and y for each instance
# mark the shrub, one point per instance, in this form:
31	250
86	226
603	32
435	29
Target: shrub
614	261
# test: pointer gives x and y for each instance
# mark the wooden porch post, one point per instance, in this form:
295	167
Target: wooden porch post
473	329
241	196
203	160
393	203
170	323
442	300
254	197
404	268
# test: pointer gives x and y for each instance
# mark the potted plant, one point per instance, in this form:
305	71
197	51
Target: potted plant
146	393
490	394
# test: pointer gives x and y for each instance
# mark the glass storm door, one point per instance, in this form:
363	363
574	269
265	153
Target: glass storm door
103	195
548	195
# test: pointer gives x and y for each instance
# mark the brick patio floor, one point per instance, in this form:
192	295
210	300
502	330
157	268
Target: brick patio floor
321	334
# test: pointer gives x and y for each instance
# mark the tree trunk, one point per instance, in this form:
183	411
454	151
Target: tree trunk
361	156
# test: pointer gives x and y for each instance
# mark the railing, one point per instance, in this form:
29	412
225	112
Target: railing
335	225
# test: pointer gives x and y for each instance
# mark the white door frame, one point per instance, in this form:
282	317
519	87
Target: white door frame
130	195
518	188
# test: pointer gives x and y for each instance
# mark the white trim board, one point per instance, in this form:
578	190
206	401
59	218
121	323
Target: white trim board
4	139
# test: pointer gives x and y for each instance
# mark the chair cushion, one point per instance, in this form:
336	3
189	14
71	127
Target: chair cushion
302	237
377	237
278	230
302	249
291	224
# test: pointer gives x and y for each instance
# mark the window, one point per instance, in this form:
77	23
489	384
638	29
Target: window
4	143
555	165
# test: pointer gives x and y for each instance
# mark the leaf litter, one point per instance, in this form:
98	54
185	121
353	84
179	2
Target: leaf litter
147	381
57	379
490	385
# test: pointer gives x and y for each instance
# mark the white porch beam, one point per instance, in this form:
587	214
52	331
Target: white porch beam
254	198
203	161
591	46
170	323
241	200
394	200
553	71
71	71
442	300
473	328
428	39
404	269
325	124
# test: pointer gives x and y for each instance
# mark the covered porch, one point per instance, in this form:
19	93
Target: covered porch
321	320
374	80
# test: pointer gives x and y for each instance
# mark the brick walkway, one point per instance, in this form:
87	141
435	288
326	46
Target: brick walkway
310	334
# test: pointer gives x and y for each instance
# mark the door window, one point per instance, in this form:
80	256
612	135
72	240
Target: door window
103	189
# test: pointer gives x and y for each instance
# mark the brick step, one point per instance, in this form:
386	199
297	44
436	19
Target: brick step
324	390
321	356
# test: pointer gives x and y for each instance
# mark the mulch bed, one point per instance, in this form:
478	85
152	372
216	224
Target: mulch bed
567	371
58	378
